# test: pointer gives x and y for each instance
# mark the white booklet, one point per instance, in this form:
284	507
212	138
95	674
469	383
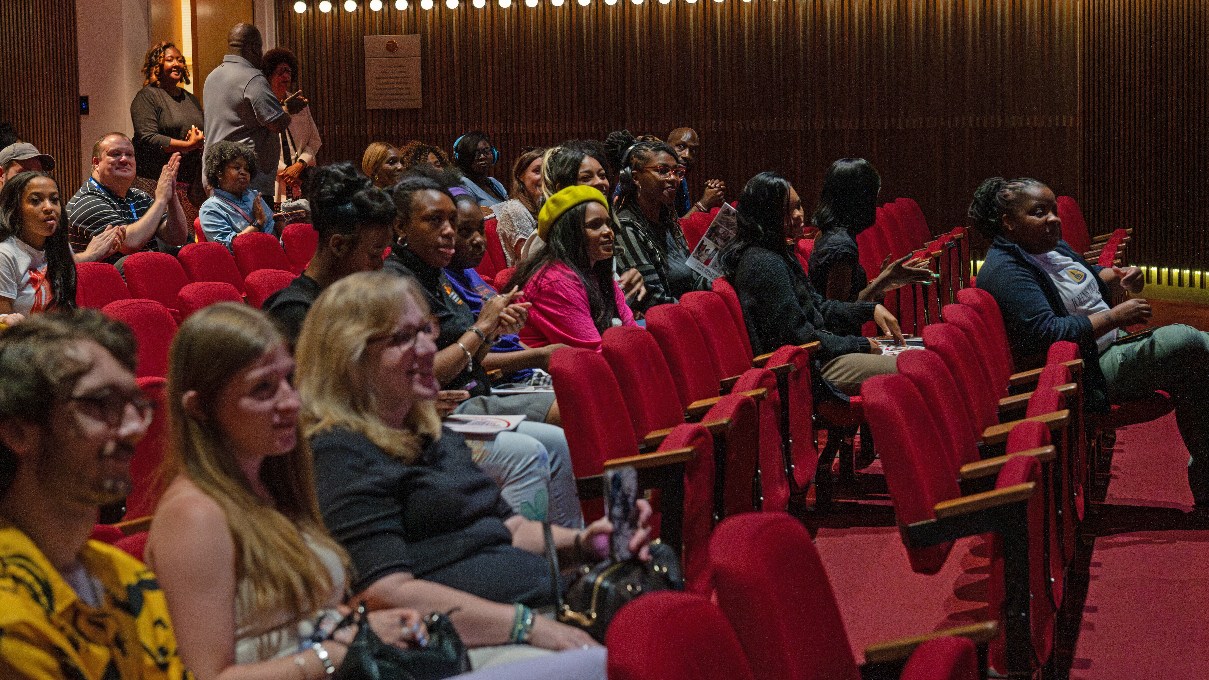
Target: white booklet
481	426
704	258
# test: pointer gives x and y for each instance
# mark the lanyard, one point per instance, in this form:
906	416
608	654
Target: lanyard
238	209
129	204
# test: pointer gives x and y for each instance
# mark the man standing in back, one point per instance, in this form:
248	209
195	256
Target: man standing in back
241	107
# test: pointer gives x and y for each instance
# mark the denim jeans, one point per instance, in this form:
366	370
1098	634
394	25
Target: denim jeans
1174	359
532	465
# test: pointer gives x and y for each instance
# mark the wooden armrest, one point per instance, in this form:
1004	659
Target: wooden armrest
1014	402
1024	377
650	460
992	466
899	650
782	369
655	437
728	384
130	527
984	501
699	407
997	434
810	347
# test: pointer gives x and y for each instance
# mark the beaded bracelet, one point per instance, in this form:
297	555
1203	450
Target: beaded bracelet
522	625
324	658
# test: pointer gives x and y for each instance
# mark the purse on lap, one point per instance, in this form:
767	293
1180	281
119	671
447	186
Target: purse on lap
369	658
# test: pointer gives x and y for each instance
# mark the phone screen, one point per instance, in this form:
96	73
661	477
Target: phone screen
621	496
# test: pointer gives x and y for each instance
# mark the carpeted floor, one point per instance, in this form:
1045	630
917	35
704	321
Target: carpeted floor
1146	614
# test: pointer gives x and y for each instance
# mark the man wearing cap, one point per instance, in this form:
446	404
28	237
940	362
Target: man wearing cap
23	157
685	141
108	200
241	107
70	416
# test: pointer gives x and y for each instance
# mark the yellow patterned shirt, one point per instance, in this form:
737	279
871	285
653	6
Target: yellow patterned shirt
47	631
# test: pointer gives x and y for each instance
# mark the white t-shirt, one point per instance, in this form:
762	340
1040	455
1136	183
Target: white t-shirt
1078	287
23	276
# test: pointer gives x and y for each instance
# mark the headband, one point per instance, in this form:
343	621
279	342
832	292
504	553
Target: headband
564	200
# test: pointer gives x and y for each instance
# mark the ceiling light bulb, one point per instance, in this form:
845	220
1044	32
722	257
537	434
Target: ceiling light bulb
557	3
584	3
505	3
479	4
400	5
300	7
325	6
610	2
426	4
375	5
451	4
350	5
530	3
637	2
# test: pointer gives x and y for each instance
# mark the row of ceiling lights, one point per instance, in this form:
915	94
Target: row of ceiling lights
325	6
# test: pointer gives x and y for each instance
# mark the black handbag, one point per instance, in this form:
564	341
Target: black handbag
598	591
369	658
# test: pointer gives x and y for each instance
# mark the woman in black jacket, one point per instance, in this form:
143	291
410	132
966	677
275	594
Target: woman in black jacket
780	305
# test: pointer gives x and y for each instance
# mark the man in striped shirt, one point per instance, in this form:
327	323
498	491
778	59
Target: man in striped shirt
108	200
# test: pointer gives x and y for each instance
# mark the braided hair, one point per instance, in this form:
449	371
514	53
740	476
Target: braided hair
993	198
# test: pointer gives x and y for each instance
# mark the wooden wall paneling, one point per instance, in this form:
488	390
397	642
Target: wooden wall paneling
39	81
939	94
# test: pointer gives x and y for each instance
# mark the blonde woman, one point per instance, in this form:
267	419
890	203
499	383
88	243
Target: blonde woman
252	578
423	524
382	165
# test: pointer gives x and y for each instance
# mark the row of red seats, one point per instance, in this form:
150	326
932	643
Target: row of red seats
1103	249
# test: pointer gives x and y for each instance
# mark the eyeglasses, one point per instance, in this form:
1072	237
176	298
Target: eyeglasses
482	152
666	171
405	338
110	406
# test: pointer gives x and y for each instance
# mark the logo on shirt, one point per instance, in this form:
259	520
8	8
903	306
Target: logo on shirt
1077	275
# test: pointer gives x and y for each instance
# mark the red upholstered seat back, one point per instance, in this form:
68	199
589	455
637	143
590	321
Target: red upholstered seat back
593	410
918	472
153	328
946	403
258	250
200	294
644	378
692	364
722	336
148	454
730	296
300	241
912	220
803	454
494	260
698	515
951	343
1074	227
210	262
98	284
984	303
262	283
775	592
155	276
996	365
674	636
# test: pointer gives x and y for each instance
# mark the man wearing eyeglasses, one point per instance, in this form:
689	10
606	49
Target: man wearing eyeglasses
70	416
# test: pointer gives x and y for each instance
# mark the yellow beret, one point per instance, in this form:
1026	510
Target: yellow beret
561	202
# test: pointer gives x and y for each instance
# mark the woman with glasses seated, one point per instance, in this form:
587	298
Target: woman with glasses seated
649	237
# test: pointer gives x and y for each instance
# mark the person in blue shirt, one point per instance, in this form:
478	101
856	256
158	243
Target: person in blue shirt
234	208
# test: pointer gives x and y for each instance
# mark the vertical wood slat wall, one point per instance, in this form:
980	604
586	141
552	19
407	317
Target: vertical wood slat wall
939	94
1146	113
39	81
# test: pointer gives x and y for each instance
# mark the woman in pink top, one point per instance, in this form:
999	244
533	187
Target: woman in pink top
570	281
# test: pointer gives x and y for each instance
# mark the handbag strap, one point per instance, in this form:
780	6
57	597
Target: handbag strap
552	560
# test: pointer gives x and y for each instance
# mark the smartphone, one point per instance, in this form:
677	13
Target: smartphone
621	507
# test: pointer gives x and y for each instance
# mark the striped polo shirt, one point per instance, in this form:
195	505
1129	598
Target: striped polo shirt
94	207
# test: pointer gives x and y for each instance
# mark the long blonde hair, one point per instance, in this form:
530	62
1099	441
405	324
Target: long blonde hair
272	556
373	158
334	368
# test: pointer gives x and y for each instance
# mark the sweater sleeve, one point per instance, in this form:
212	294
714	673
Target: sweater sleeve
623	310
1031	322
560	312
144	116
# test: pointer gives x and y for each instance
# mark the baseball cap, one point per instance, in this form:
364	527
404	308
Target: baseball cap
23	151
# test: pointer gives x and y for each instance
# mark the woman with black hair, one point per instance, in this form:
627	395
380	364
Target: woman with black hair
780	305
167	119
300	141
570	282
649	237
37	270
846	208
234	208
1047	293
474	154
